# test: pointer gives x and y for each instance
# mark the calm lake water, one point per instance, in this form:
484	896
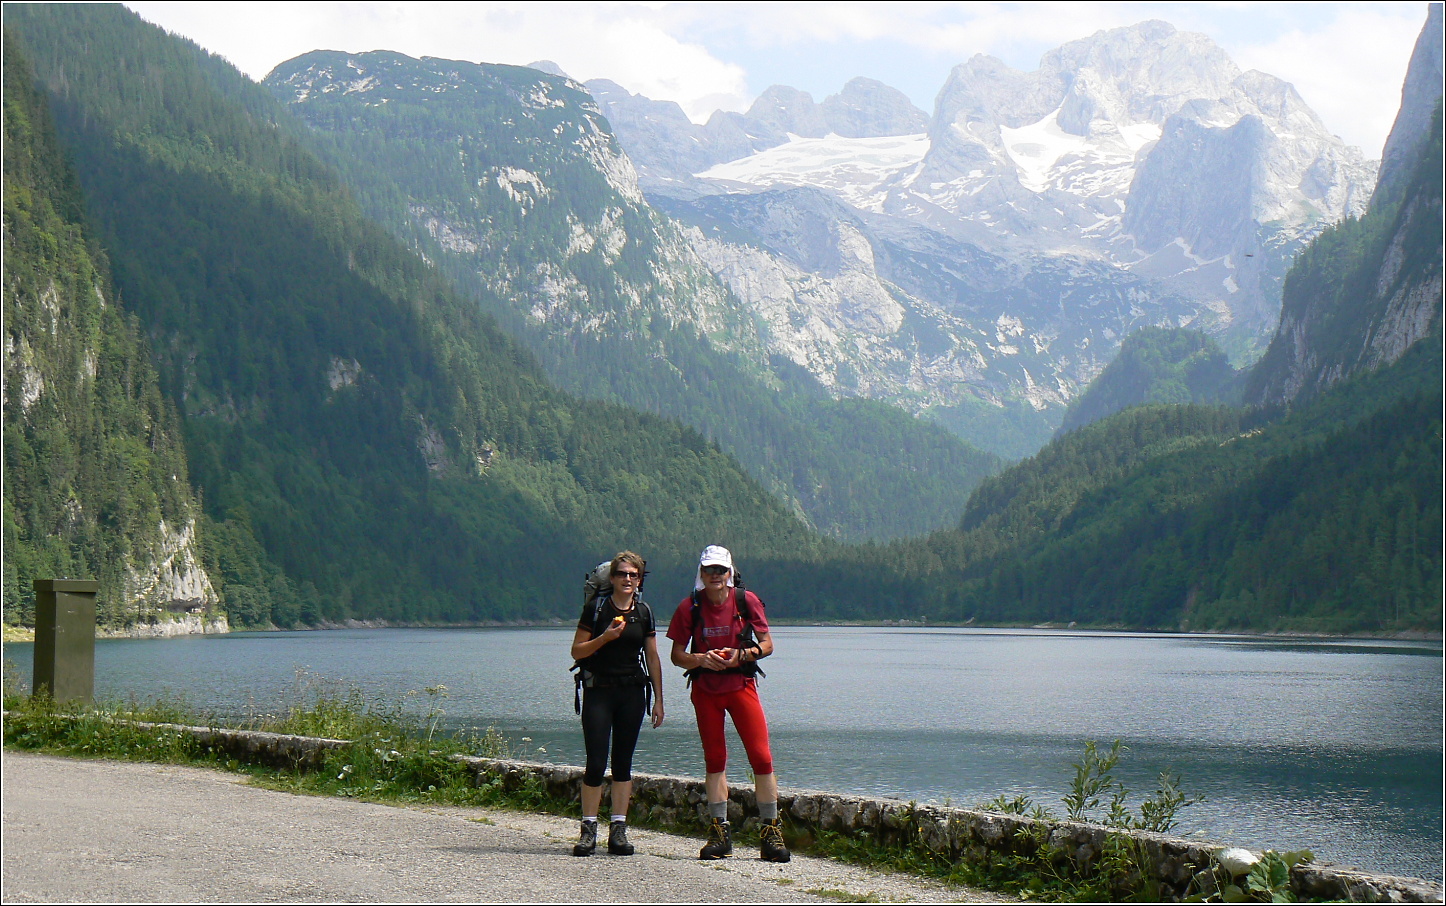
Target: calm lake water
1330	745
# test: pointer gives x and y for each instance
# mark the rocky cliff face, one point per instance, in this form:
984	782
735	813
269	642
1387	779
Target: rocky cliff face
899	312
1418	97
1386	294
539	196
171	577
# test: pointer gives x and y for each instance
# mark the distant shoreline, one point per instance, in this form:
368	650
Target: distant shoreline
26	634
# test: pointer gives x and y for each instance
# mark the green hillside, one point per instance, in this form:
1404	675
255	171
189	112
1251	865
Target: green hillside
1157	365
511	181
394	454
95	470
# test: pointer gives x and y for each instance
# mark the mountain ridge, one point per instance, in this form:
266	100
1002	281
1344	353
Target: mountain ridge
530	206
1143	148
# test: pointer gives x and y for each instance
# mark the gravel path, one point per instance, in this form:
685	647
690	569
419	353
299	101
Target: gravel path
97	831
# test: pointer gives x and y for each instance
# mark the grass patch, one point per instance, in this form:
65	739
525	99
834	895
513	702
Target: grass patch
843	896
391	756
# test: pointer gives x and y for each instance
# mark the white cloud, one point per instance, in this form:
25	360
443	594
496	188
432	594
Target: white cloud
1346	59
1349	71
630	43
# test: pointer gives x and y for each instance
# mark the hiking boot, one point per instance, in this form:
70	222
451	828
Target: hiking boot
587	840
720	841
772	849
618	844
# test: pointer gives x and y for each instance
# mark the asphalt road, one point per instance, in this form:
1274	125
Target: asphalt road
103	831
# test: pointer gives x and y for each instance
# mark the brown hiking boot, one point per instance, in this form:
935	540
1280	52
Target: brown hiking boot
720	841
773	848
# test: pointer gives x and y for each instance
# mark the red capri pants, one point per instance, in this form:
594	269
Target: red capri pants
747	713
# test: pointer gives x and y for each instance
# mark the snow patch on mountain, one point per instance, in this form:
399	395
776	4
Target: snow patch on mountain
858	170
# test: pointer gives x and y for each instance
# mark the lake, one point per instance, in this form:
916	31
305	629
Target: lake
1329	745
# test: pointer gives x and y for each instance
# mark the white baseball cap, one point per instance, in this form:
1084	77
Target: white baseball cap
714	555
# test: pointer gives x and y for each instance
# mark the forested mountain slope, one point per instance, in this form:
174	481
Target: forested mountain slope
95	470
1182	517
393	452
1370	288
511	181
1157	365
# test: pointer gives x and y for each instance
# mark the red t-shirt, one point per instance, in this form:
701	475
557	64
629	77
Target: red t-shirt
718	627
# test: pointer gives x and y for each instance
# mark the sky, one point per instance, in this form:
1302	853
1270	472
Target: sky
1347	60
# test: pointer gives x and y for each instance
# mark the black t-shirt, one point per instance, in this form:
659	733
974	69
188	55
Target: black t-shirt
620	657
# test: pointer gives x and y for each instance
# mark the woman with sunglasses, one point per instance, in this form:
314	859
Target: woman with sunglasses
728	633
614	636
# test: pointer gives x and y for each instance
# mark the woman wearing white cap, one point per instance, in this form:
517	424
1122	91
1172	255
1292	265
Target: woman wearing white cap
727	632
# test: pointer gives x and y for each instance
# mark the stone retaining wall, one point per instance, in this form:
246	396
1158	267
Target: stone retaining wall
681	803
957	833
276	750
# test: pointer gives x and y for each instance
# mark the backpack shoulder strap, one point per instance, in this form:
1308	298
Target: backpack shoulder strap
597	612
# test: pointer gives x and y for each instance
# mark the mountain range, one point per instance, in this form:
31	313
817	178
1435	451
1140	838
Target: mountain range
508	180
1138	175
410	340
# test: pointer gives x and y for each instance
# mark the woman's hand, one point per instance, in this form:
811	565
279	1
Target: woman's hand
657	713
615	629
585	645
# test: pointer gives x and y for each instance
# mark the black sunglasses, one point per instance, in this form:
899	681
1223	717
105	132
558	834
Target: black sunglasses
716	570
627	574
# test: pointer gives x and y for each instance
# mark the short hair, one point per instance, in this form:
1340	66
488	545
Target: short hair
628	557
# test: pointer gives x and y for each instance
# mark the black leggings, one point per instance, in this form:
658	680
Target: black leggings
615	711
